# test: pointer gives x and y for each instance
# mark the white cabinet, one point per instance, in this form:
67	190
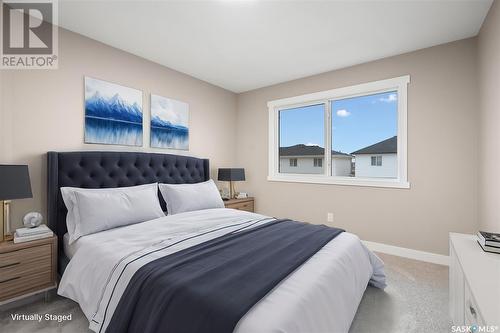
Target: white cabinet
474	283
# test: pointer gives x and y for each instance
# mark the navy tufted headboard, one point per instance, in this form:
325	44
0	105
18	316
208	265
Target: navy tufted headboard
96	169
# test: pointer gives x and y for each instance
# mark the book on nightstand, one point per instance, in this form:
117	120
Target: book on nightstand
487	248
489	238
489	242
29	234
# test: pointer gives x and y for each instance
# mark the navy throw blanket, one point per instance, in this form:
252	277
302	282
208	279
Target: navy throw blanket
211	286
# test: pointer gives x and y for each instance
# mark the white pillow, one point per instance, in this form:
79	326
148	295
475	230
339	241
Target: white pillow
94	210
188	197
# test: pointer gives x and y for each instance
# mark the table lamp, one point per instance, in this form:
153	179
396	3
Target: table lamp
231	175
14	184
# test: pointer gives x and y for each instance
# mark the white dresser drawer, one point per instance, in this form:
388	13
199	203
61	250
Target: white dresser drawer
471	310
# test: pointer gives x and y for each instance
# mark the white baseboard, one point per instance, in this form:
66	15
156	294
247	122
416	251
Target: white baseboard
408	253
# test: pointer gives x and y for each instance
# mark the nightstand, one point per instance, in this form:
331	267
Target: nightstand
241	204
27	268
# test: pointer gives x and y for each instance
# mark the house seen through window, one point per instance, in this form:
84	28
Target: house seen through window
363	132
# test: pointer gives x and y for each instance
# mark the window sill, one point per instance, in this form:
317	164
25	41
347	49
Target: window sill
347	181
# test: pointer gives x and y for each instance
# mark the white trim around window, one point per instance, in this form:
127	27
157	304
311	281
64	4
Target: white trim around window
398	84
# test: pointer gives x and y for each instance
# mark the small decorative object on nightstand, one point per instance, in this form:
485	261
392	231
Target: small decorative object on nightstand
14	184
27	268
231	175
32	220
241	204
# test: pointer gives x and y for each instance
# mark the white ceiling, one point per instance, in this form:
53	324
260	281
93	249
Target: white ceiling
243	45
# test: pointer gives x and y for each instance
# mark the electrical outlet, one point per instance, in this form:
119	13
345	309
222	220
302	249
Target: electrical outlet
329	217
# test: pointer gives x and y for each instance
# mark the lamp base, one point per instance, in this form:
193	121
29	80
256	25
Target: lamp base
5	221
2	222
232	191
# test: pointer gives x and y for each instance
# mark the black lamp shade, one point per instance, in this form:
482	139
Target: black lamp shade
14	182
231	174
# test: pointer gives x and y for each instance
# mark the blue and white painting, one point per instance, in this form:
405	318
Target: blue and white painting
113	113
169	123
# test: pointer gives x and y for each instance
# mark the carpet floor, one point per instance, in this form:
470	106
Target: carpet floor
416	300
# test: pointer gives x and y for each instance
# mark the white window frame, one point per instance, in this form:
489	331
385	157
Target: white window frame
295	162
318	162
399	84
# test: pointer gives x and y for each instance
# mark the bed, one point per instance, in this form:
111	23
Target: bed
322	295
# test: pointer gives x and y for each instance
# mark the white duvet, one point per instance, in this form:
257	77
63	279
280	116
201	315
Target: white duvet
320	296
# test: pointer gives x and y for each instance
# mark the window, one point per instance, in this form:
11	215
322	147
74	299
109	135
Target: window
318	162
377	160
338	136
301	138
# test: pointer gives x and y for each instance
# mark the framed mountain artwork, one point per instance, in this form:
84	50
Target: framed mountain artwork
113	113
169	123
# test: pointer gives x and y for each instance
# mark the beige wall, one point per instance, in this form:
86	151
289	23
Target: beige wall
489	139
44	109
442	158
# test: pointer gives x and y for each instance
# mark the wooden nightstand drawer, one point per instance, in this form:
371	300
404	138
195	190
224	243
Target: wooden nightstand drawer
24	255
27	267
248	206
241	204
21	284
